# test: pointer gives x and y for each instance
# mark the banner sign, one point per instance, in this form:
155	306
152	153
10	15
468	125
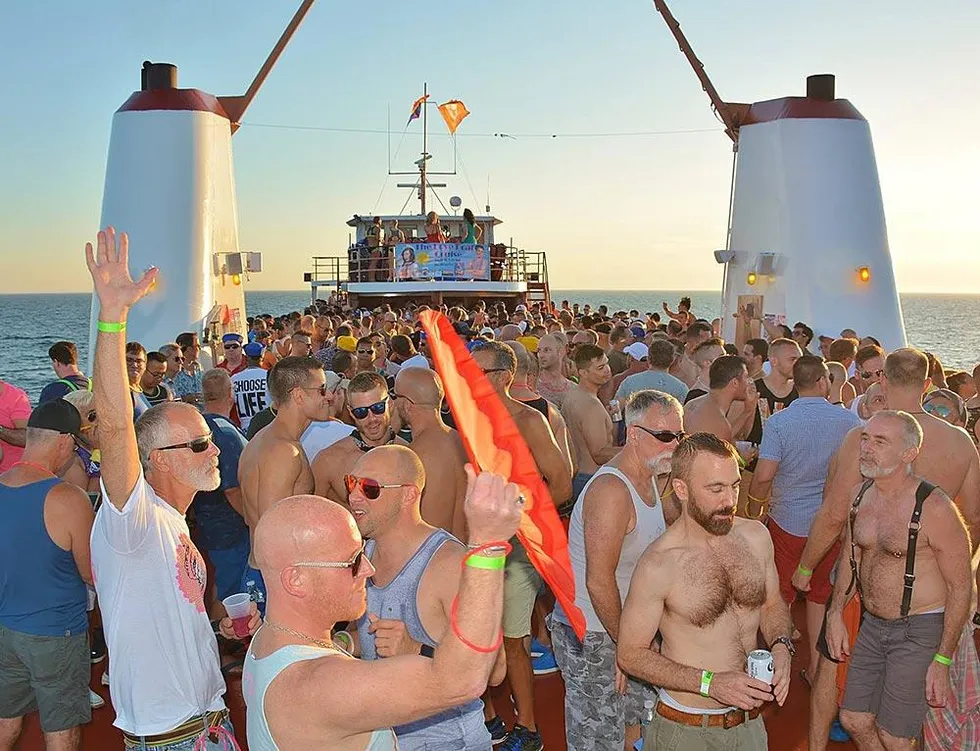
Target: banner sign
455	261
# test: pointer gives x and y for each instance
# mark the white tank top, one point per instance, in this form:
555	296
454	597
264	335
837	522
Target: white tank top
259	673
649	526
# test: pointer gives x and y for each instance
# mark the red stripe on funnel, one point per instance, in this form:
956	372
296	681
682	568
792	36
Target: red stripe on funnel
493	443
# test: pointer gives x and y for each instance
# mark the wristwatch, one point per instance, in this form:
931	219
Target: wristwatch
786	642
427	651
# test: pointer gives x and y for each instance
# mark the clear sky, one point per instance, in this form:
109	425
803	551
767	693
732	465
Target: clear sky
627	212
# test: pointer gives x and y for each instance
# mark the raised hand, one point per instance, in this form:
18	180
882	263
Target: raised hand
493	507
109	266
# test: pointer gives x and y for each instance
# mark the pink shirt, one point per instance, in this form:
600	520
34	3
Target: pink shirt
14	405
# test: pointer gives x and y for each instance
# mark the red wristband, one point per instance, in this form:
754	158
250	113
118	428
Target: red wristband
454	624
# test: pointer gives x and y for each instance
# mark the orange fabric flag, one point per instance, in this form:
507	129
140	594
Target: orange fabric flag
493	443
453	112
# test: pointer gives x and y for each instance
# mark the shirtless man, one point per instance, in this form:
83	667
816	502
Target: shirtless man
729	383
522	581
369	406
409	597
709	585
684	367
589	422
273	465
947	459
522	391
417	397
551	382
302	691
911	628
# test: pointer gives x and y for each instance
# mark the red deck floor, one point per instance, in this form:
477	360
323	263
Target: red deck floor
786	725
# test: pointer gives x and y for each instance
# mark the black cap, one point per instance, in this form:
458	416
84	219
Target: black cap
57	415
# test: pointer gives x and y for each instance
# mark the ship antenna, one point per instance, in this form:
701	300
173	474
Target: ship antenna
235	106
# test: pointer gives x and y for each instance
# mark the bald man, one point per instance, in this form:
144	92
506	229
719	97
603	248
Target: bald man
551	382
417	570
273	464
416	399
302	691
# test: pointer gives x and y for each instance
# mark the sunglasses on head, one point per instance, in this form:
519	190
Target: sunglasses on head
370	489
866	374
939	410
664	436
353	563
198	445
232	345
378	408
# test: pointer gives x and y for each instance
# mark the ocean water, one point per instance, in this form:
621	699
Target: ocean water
946	325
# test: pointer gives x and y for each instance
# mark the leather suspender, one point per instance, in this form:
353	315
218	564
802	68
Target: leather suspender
855	579
921	493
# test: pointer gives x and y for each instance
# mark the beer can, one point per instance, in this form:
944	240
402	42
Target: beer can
615	411
760	665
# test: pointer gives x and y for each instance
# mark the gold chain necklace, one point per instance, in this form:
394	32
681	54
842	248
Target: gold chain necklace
319	642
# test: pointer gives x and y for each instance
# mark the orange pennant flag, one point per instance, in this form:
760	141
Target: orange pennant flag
453	112
493	443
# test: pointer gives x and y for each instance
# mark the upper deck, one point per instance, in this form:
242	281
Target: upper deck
402	264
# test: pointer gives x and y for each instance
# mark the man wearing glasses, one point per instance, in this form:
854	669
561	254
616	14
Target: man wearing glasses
274	465
618	514
167	687
234	361
369	404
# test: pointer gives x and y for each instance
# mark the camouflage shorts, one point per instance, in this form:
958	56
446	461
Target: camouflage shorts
596	715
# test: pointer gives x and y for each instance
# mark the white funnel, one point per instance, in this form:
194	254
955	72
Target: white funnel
807	221
170	185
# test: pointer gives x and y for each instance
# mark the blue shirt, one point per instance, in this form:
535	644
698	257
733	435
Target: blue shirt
219	526
802	438
658	380
58	389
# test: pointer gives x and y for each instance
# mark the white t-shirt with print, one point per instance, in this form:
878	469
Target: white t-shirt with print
151	580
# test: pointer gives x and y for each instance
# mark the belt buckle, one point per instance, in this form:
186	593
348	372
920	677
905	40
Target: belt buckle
733	718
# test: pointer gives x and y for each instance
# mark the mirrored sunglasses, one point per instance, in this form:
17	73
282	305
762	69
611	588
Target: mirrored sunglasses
378	408
370	489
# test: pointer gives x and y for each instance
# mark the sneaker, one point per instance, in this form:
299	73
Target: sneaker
497	730
838	734
98	648
537	648
105	678
522	739
544	663
95	700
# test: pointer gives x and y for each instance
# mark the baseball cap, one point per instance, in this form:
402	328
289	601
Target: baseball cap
253	349
638	332
332	379
637	350
232	338
530	343
347	343
486	331
57	415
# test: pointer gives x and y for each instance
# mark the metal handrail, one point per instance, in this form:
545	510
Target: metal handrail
517	265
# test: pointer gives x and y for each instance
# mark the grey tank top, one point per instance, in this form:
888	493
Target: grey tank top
649	526
398	600
256	677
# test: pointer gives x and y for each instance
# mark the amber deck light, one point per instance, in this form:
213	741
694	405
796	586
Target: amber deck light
864	274
750	279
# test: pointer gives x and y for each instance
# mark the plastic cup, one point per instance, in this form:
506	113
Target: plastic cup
239	609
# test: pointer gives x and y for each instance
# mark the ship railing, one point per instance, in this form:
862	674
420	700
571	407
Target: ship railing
506	264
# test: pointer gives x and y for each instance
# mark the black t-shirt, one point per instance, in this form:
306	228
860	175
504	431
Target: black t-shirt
259	421
694	394
769	404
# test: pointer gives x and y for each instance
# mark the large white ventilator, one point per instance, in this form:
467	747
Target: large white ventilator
807	239
170	186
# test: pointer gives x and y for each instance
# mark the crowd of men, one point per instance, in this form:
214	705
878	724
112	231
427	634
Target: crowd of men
706	486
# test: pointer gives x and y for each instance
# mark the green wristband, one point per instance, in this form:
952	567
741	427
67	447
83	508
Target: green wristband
805	571
706	676
495	563
942	659
112	327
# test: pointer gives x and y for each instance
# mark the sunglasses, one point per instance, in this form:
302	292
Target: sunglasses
135	361
939	410
866	374
233	345
664	436
378	408
198	445
370	489
353	563
178	359
394	396
322	388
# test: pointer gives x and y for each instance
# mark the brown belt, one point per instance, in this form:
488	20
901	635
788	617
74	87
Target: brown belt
731	719
193	728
